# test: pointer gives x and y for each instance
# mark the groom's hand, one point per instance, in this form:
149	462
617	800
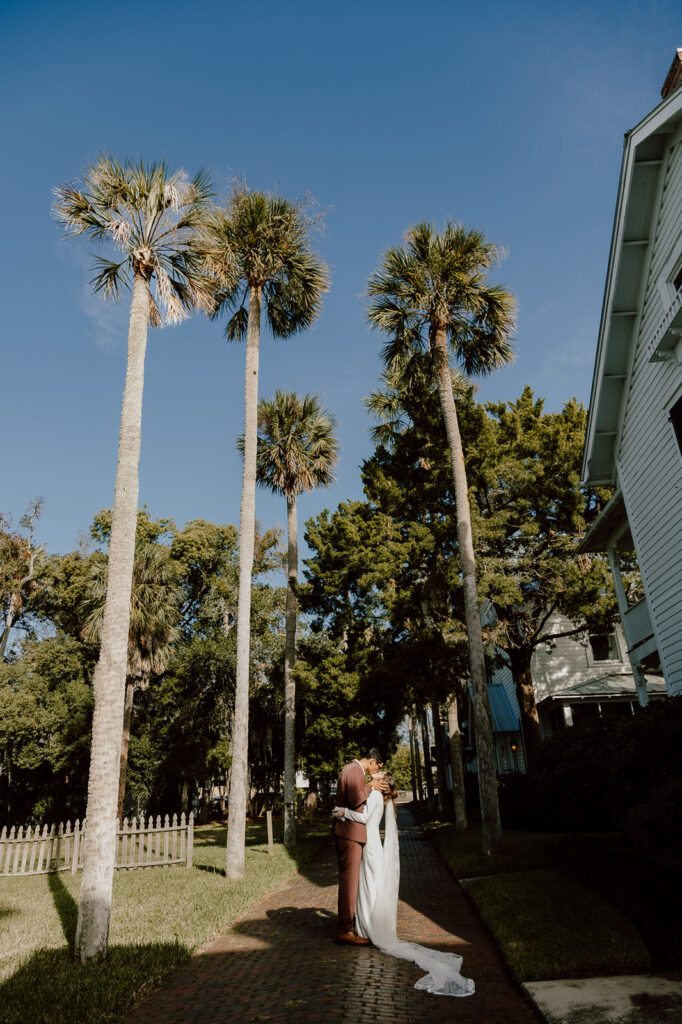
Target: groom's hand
379	782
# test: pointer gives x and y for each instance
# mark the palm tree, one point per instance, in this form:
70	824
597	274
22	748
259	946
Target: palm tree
150	215
153	630
258	248
297	450
432	295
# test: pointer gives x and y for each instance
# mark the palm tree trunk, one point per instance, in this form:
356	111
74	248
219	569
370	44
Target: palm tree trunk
485	753
236	826
94	904
125	743
289	682
457	766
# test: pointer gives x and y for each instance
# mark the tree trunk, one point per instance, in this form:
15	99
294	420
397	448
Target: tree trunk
289	682
485	752
9	622
525	695
413	760
428	771
94	904
127	721
458	791
441	770
417	758
236	825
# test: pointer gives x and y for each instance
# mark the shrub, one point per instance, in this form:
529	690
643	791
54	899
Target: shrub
617	773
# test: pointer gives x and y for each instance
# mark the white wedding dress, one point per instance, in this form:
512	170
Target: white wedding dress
377	906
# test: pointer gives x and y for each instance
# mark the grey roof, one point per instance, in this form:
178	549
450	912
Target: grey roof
611	684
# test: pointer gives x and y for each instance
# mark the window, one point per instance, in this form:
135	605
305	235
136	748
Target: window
604	647
676	419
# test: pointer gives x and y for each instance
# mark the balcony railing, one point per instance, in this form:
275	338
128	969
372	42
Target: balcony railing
637	624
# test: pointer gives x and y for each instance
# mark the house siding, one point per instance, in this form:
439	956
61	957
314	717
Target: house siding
649	461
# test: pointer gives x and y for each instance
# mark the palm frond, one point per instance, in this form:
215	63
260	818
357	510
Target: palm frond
155	315
237	325
260	239
438	281
297	444
154	215
110	277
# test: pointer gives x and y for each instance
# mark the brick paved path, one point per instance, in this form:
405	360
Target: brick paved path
280	965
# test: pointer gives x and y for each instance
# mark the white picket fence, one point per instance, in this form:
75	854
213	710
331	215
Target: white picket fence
61	848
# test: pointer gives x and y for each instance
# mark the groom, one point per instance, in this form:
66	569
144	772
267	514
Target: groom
350	837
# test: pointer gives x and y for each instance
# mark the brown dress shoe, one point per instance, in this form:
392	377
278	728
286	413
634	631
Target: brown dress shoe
351	938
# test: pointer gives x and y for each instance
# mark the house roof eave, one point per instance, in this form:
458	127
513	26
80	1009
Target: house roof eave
609	524
633	222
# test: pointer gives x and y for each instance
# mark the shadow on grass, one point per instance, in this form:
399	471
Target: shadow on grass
66	907
211	840
614	867
50	988
216	835
210	868
208	836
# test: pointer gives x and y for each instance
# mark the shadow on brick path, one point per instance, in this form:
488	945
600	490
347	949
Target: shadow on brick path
279	965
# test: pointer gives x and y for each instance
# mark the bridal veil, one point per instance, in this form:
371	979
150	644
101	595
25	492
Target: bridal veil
443	977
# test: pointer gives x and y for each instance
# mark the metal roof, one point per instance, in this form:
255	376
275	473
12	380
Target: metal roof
504	719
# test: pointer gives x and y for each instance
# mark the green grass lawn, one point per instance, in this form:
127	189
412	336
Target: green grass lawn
546	924
160	915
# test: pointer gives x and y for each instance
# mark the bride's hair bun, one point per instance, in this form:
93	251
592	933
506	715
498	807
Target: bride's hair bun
392	793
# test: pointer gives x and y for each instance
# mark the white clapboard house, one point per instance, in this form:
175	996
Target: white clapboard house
634	431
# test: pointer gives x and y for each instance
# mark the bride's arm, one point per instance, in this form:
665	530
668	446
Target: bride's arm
361	816
345	812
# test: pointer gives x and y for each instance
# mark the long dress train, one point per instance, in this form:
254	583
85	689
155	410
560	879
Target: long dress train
377	905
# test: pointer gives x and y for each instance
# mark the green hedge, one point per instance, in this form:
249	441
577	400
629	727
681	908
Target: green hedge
618	773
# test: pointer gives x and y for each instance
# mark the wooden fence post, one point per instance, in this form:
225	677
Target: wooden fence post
17	849
76	846
174	838
190	839
271	847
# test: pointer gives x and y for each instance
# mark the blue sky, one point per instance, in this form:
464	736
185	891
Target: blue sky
507	116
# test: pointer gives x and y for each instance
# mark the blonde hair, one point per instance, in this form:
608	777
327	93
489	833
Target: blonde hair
392	793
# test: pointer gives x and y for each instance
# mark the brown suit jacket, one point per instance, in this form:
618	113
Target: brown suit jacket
352	792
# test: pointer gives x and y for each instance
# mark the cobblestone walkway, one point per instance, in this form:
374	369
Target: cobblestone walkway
279	963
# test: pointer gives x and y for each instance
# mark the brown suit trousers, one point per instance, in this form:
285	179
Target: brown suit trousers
349	838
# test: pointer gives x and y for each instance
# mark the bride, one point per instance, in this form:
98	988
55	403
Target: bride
377	905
